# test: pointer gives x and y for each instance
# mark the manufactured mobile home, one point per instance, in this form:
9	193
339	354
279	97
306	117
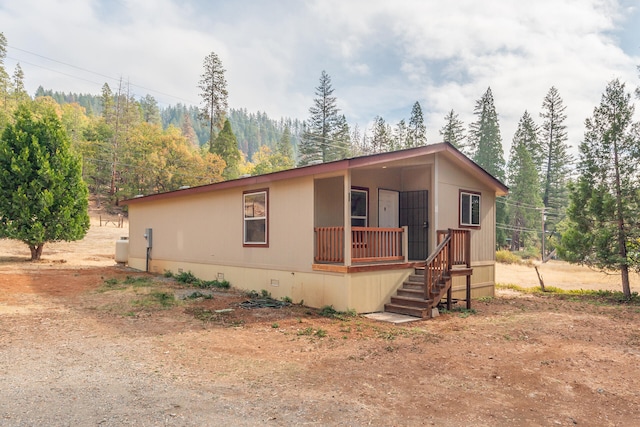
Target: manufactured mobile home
350	233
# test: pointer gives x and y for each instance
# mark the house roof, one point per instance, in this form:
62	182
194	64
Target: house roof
380	159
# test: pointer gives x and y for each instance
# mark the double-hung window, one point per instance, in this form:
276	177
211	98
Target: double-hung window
359	207
256	224
469	209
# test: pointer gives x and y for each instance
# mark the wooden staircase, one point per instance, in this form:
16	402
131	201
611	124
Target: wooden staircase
424	290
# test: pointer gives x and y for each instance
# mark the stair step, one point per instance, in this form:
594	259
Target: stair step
415	278
409	311
411	301
412	285
412	293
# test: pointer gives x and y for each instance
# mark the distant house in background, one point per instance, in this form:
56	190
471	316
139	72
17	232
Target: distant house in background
347	233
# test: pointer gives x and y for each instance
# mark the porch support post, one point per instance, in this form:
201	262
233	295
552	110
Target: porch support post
405	242
347	218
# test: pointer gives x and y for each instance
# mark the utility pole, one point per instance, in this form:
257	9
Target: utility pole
544	227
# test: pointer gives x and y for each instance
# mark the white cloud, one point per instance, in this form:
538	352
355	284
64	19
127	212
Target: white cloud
382	56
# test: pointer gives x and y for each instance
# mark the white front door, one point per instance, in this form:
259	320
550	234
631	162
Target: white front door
388	208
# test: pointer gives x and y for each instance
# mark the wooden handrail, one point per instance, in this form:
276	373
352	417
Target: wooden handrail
436	265
454	249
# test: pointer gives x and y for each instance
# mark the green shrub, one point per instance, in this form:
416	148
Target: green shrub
186	277
207	284
507	257
329	311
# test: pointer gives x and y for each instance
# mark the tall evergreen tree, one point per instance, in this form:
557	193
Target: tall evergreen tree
213	86
42	195
317	143
604	209
486	146
226	146
485	138
107	105
416	132
453	131
358	142
341	138
553	160
284	146
399	137
19	92
381	138
5	83
150	110
524	189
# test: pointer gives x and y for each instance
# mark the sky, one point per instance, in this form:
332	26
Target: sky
382	56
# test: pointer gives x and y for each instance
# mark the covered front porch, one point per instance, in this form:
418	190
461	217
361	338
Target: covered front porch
374	216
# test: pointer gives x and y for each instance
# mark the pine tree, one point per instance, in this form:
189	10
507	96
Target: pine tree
108	105
213	86
381	137
284	146
4	80
317	143
417	132
604	209
399	138
486	146
341	138
524	189
150	110
19	92
226	146
485	139
453	132
42	195
358	142
552	160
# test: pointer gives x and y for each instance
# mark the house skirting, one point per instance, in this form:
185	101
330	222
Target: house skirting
364	291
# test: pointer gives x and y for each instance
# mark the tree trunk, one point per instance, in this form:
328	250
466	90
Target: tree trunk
622	235
626	289
36	251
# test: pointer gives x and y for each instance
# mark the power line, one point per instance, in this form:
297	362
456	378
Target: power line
88	71
518	204
515	228
55	71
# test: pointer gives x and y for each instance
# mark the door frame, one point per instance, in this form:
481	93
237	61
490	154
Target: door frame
417	232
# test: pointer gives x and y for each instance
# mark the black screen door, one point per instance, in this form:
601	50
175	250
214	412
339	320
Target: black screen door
414	214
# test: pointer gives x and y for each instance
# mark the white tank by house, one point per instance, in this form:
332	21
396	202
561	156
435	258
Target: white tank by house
122	250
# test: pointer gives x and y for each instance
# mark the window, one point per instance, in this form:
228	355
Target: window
255	218
469	209
359	207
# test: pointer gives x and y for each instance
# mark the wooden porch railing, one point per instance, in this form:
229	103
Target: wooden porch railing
368	244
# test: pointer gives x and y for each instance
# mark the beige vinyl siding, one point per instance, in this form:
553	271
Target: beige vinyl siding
208	228
451	180
329	195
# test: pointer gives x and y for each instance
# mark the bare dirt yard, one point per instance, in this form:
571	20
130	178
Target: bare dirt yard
86	342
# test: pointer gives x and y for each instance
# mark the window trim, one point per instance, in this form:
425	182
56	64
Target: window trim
364	190
264	244
471	194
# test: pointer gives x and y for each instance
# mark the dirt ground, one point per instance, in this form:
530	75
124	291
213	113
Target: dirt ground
86	342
